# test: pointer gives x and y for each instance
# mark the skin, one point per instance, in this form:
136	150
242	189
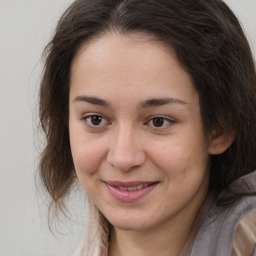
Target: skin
114	77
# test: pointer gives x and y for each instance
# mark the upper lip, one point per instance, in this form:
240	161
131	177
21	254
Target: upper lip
128	184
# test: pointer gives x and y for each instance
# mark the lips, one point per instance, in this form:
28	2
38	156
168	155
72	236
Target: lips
130	191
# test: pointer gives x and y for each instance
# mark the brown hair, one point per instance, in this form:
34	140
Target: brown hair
209	43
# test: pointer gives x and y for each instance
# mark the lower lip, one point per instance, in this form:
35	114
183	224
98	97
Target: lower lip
129	196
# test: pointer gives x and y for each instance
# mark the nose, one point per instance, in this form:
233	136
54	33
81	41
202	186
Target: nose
125	151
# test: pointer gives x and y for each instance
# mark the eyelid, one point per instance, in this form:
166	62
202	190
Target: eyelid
171	121
91	126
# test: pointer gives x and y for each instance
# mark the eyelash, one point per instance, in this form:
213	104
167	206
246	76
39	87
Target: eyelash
88	120
167	122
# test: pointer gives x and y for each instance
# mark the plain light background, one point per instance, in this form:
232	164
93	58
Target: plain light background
25	28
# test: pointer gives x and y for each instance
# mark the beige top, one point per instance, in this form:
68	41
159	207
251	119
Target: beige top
244	242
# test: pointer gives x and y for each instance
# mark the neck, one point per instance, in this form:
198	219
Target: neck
167	239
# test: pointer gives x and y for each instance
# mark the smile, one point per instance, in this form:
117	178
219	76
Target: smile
130	191
133	188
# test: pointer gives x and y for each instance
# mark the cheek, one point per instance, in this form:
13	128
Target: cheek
185	170
87	158
87	154
171	158
180	160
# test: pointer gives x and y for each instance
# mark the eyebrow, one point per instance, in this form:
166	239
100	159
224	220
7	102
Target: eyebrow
92	100
154	102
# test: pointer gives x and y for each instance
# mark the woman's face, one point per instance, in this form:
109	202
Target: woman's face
136	132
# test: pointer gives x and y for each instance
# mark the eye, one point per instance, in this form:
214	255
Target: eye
95	121
160	122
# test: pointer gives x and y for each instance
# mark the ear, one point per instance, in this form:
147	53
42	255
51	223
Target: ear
220	142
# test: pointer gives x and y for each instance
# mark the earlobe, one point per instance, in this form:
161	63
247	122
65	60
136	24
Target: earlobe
220	142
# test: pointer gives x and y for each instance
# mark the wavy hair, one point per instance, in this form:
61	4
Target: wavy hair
209	43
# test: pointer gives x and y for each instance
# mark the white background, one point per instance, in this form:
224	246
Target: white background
25	28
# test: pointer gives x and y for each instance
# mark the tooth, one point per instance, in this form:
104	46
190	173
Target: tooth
132	188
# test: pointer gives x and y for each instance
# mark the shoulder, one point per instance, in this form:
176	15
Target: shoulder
223	227
244	241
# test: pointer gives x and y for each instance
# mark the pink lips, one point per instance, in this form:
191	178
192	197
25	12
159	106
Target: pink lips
126	195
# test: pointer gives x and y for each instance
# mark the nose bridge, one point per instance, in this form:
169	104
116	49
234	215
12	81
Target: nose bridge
125	149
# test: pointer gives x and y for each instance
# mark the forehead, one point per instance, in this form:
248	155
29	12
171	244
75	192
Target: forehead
128	64
122	51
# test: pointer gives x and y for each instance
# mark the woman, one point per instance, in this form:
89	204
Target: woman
151	106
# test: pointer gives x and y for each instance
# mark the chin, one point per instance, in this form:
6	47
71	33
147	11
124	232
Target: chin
130	224
129	227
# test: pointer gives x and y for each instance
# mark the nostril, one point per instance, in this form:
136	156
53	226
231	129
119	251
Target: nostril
126	161
124	150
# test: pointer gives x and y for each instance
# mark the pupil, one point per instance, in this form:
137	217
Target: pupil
158	122
96	120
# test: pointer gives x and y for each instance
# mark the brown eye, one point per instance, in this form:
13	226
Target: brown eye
95	121
158	121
